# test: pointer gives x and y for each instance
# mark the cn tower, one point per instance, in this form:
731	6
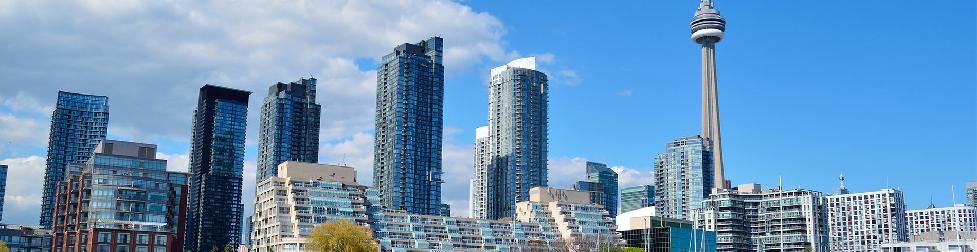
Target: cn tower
707	29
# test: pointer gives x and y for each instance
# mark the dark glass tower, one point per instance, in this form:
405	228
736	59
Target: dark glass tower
3	187
216	166
289	126
407	151
600	173
78	124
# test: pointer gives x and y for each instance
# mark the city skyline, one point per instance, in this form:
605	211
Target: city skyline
341	147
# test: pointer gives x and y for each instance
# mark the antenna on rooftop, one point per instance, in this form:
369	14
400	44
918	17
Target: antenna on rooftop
953	194
343	161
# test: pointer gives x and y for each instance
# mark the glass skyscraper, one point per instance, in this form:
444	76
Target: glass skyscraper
600	173
636	197
216	167
407	151
516	139
683	178
78	124
289	126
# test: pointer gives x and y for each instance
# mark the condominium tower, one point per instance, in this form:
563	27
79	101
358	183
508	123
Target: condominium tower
407	151
864	221
600	173
707	29
122	199
683	177
747	218
216	169
515	146
289	126
78	124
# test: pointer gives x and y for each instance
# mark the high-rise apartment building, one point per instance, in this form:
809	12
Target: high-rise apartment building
600	173
289	126
301	196
216	169
637	197
3	187
683	177
485	180
515	145
971	193
407	151
961	218
864	221
707	30
123	199
79	122
747	218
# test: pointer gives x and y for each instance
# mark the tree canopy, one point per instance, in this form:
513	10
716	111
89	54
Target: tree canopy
341	236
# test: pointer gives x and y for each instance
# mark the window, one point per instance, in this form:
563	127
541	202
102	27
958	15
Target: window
159	249
122	238
160	240
142	249
142	239
122	248
104	237
104	248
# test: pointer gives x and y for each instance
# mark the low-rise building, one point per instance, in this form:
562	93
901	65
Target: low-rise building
936	241
399	231
572	213
642	229
290	204
935	219
20	238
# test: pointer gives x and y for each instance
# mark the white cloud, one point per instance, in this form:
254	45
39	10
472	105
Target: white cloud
356	152
18	131
457	162
23	102
565	171
130	49
22	202
176	162
626	92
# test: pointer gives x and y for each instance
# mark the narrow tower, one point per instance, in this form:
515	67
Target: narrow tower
707	30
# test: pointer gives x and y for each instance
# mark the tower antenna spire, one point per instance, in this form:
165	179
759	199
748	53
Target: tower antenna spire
707	30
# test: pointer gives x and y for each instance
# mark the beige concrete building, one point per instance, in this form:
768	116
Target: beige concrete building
301	196
571	212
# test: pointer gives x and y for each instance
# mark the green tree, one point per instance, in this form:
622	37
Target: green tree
228	248
3	247
341	236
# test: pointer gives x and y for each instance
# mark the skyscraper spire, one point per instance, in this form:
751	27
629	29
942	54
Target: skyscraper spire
707	29
842	189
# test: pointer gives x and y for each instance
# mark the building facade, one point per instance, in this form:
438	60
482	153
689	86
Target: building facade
961	218
485	180
407	151
301	196
399	231
683	177
575	218
289	126
949	241
600	173
636	197
864	221
747	218
596	190
658	234
515	142
971	192
216	169
122	200
21	238
79	122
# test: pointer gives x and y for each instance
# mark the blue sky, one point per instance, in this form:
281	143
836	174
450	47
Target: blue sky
882	91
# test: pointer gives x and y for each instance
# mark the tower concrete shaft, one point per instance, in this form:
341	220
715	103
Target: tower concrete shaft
707	29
